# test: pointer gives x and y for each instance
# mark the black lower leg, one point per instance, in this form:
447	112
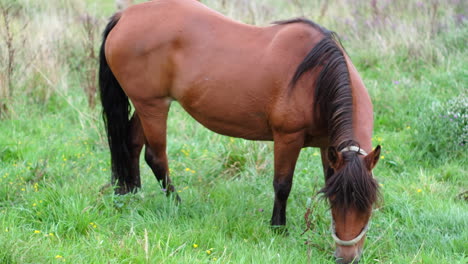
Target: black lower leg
160	170
282	190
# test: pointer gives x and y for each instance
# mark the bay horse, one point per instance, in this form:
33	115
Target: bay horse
290	82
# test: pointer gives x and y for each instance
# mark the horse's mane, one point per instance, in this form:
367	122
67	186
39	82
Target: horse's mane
333	96
352	186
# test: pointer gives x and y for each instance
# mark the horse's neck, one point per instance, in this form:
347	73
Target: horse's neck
363	118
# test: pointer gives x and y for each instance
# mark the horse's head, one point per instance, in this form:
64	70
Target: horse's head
351	190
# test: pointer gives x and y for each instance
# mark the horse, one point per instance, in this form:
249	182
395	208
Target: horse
290	82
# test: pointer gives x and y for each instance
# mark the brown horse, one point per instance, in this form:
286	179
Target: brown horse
290	82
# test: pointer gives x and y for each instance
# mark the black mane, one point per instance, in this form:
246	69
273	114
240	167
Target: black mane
353	185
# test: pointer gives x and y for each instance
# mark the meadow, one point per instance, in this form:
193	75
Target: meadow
54	160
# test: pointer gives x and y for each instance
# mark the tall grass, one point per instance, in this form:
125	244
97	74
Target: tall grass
54	159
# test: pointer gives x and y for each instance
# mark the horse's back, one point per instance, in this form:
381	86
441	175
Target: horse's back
229	76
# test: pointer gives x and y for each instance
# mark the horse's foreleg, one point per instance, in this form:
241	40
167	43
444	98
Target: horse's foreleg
154	121
325	162
287	148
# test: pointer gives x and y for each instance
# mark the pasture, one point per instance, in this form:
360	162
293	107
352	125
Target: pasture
56	207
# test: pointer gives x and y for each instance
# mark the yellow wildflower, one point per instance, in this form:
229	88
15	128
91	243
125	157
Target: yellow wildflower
37	232
419	190
58	257
382	157
195	245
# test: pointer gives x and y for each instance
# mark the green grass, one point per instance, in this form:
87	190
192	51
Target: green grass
54	157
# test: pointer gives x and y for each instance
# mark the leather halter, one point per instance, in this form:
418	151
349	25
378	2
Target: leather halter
355	149
351	242
358	238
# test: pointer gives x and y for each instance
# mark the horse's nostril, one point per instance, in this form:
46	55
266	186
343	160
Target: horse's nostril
347	261
347	255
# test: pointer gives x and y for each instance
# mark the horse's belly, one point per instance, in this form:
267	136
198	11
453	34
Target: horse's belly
228	119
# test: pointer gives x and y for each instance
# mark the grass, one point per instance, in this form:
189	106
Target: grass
54	158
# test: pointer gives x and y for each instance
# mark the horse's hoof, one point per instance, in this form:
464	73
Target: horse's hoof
280	230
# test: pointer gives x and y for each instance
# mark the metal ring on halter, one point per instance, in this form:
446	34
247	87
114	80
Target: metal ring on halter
351	242
355	149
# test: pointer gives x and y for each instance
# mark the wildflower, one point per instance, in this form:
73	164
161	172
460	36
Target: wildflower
315	154
34	204
408	127
381	185
93	225
51	235
215	259
190	170
23	189
59	257
7	230
382	157
37	232
64	159
208	252
419	190
195	245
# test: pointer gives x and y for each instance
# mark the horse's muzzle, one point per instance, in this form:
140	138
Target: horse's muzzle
348	255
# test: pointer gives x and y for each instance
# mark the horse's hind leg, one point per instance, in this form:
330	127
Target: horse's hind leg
153	120
136	142
158	165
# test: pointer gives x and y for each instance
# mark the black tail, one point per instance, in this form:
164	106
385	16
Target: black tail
115	110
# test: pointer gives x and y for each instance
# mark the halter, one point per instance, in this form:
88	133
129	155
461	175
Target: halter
351	242
355	149
355	240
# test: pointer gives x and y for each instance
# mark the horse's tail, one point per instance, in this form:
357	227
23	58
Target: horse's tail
115	112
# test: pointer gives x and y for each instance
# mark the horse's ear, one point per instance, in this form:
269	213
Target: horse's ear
334	157
372	158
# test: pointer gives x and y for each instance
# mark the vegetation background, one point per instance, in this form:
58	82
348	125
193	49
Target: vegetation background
54	157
